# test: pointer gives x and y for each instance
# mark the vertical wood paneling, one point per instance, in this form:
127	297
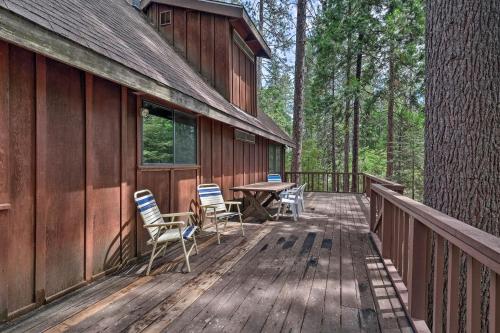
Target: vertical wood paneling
235	96
22	165
252	161
238	169
105	193
243	80
41	179
248	85
179	15
89	221
217	156
247	163
207	46
193	39
129	161
227	160
222	44
206	149
167	31
64	205
4	176
184	189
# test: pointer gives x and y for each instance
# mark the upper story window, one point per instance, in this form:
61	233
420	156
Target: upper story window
168	136
165	17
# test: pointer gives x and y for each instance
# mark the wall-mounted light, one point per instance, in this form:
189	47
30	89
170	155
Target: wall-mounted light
144	112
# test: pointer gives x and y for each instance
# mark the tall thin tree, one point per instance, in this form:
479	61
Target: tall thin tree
298	100
356	108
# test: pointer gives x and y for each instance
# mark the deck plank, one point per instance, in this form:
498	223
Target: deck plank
320	274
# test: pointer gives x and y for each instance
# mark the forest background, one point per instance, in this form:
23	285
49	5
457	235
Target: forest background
364	78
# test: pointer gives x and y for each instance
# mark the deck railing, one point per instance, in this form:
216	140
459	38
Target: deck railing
319	181
405	230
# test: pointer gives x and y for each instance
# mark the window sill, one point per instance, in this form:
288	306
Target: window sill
168	167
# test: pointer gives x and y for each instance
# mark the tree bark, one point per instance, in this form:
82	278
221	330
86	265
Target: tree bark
347	115
298	101
259	59
462	129
390	116
334	150
355	126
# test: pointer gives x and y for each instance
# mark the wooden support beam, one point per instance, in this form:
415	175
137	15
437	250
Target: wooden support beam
418	269
473	295
89	221
41	176
4	176
453	295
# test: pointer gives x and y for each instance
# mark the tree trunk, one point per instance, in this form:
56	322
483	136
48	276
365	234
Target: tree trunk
390	116
355	126
298	101
334	150
259	59
347	116
462	129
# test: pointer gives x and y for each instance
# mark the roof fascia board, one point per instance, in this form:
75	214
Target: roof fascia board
24	33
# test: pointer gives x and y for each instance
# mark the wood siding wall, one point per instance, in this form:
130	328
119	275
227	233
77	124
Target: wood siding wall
68	171
205	40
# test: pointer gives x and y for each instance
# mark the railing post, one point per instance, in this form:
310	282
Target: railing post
453	295
373	210
418	269
494	302
437	311
387	227
473	295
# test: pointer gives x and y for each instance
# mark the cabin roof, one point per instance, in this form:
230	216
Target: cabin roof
241	21
111	39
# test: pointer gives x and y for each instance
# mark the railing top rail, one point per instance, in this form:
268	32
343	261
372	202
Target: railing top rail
479	244
383	181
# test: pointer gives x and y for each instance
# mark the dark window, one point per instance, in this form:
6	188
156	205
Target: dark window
168	136
274	158
166	17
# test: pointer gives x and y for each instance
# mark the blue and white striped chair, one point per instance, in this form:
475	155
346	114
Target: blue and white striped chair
274	178
216	209
162	233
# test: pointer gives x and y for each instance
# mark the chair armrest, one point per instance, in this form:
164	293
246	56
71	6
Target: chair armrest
178	214
232	203
168	224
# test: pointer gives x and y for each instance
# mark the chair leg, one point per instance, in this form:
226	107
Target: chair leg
195	244
294	212
152	258
279	211
186	256
217	232
241	221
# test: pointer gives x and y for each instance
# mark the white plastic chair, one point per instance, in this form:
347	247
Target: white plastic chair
215	208
295	200
162	233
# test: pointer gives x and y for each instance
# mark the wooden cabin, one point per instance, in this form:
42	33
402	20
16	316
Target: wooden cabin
101	98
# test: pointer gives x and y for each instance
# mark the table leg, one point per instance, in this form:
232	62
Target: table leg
254	208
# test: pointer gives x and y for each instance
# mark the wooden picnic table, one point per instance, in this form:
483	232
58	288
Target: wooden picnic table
259	196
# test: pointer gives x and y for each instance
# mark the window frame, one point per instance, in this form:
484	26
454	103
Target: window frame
168	18
278	150
140	138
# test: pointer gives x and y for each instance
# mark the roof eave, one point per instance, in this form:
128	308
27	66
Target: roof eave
25	33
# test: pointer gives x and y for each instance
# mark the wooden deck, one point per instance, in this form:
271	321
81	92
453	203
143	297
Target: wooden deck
321	274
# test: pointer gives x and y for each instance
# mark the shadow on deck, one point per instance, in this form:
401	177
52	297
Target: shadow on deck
321	274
